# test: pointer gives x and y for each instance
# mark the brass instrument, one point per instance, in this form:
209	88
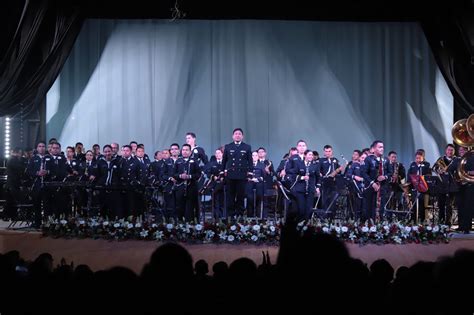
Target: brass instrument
463	135
395	173
406	195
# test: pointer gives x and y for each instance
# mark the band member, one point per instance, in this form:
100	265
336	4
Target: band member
255	186
237	166
281	172
74	164
96	152
115	150
269	170
155	168
130	180
197	153
329	169
108	178
356	184
355	158
78	152
398	177
143	176
215	171
447	184
168	180
15	172
376	172
417	169
39	170
60	171
186	174
134	145
145	156
305	176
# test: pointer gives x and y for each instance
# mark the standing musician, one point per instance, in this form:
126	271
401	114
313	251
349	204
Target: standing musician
215	171
238	163
448	186
108	179
329	169
397	179
376	172
154	169
186	174
283	180
168	180
60	171
269	170
356	184
197	153
305	177
416	171
130	180
255	186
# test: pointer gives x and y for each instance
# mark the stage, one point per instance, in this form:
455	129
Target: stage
103	254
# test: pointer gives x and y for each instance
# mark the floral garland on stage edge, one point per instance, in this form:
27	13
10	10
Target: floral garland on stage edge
245	231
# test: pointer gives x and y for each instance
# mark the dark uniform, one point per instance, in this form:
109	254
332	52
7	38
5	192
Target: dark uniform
395	201
214	171
238	163
464	196
447	191
419	169
186	190
60	172
130	180
255	190
356	188
167	173
303	190
328	165
371	169
40	194
15	173
199	155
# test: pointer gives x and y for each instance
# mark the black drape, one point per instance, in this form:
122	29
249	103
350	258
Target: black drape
33	56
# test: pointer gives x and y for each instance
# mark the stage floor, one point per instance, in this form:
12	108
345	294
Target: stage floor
103	254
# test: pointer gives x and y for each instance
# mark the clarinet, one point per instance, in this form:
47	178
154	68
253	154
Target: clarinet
42	166
379	192
186	180
307	180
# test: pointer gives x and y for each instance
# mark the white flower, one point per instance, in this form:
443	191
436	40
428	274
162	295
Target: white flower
158	235
138	225
233	228
130	226
344	229
254	238
198	227
210	234
373	228
144	233
63	222
338	229
429	228
272	228
305	228
415	228
231	238
325	229
408	229
256	227
81	222
386	227
365	229
116	225
169	226
105	223
154	225
436	229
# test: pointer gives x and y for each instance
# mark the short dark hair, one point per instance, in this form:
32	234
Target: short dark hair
39	142
392	152
105	146
375	143
127	146
141	145
420	152
96	146
307	151
315	153
133	142
59	144
70	148
261	148
358	152
365	150
293	149
192	134
238	129
52	140
93	152
156	153
78	143
186	145
449	145
174	145
327	146
299	141
285	156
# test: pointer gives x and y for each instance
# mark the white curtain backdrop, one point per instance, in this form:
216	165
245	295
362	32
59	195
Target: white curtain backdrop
337	83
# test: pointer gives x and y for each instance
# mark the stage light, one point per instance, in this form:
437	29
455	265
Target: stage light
7	137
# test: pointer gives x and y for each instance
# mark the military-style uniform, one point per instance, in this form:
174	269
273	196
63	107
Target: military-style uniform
167	173
328	165
371	169
199	155
419	169
255	190
238	163
395	190
60	172
214	171
464	196
42	199
448	189
108	180
186	190
356	188
303	190
130	180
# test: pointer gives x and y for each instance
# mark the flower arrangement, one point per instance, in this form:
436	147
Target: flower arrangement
245	231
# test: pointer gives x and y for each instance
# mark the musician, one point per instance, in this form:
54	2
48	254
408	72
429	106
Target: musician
133	145
130	180
155	168
356	184
74	164
186	174
447	184
115	150
329	169
145	156
96	152
398	177
315	156
108	178
305	177
168	180
39	170
78	152
215	171
376	172
60	172
419	168
197	153
238	163
15	171
269	170
355	158
143	178
283	179
254	189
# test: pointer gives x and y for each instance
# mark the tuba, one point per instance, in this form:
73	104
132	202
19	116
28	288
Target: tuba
463	135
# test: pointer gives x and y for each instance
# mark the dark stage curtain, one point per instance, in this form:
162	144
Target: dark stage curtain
33	50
